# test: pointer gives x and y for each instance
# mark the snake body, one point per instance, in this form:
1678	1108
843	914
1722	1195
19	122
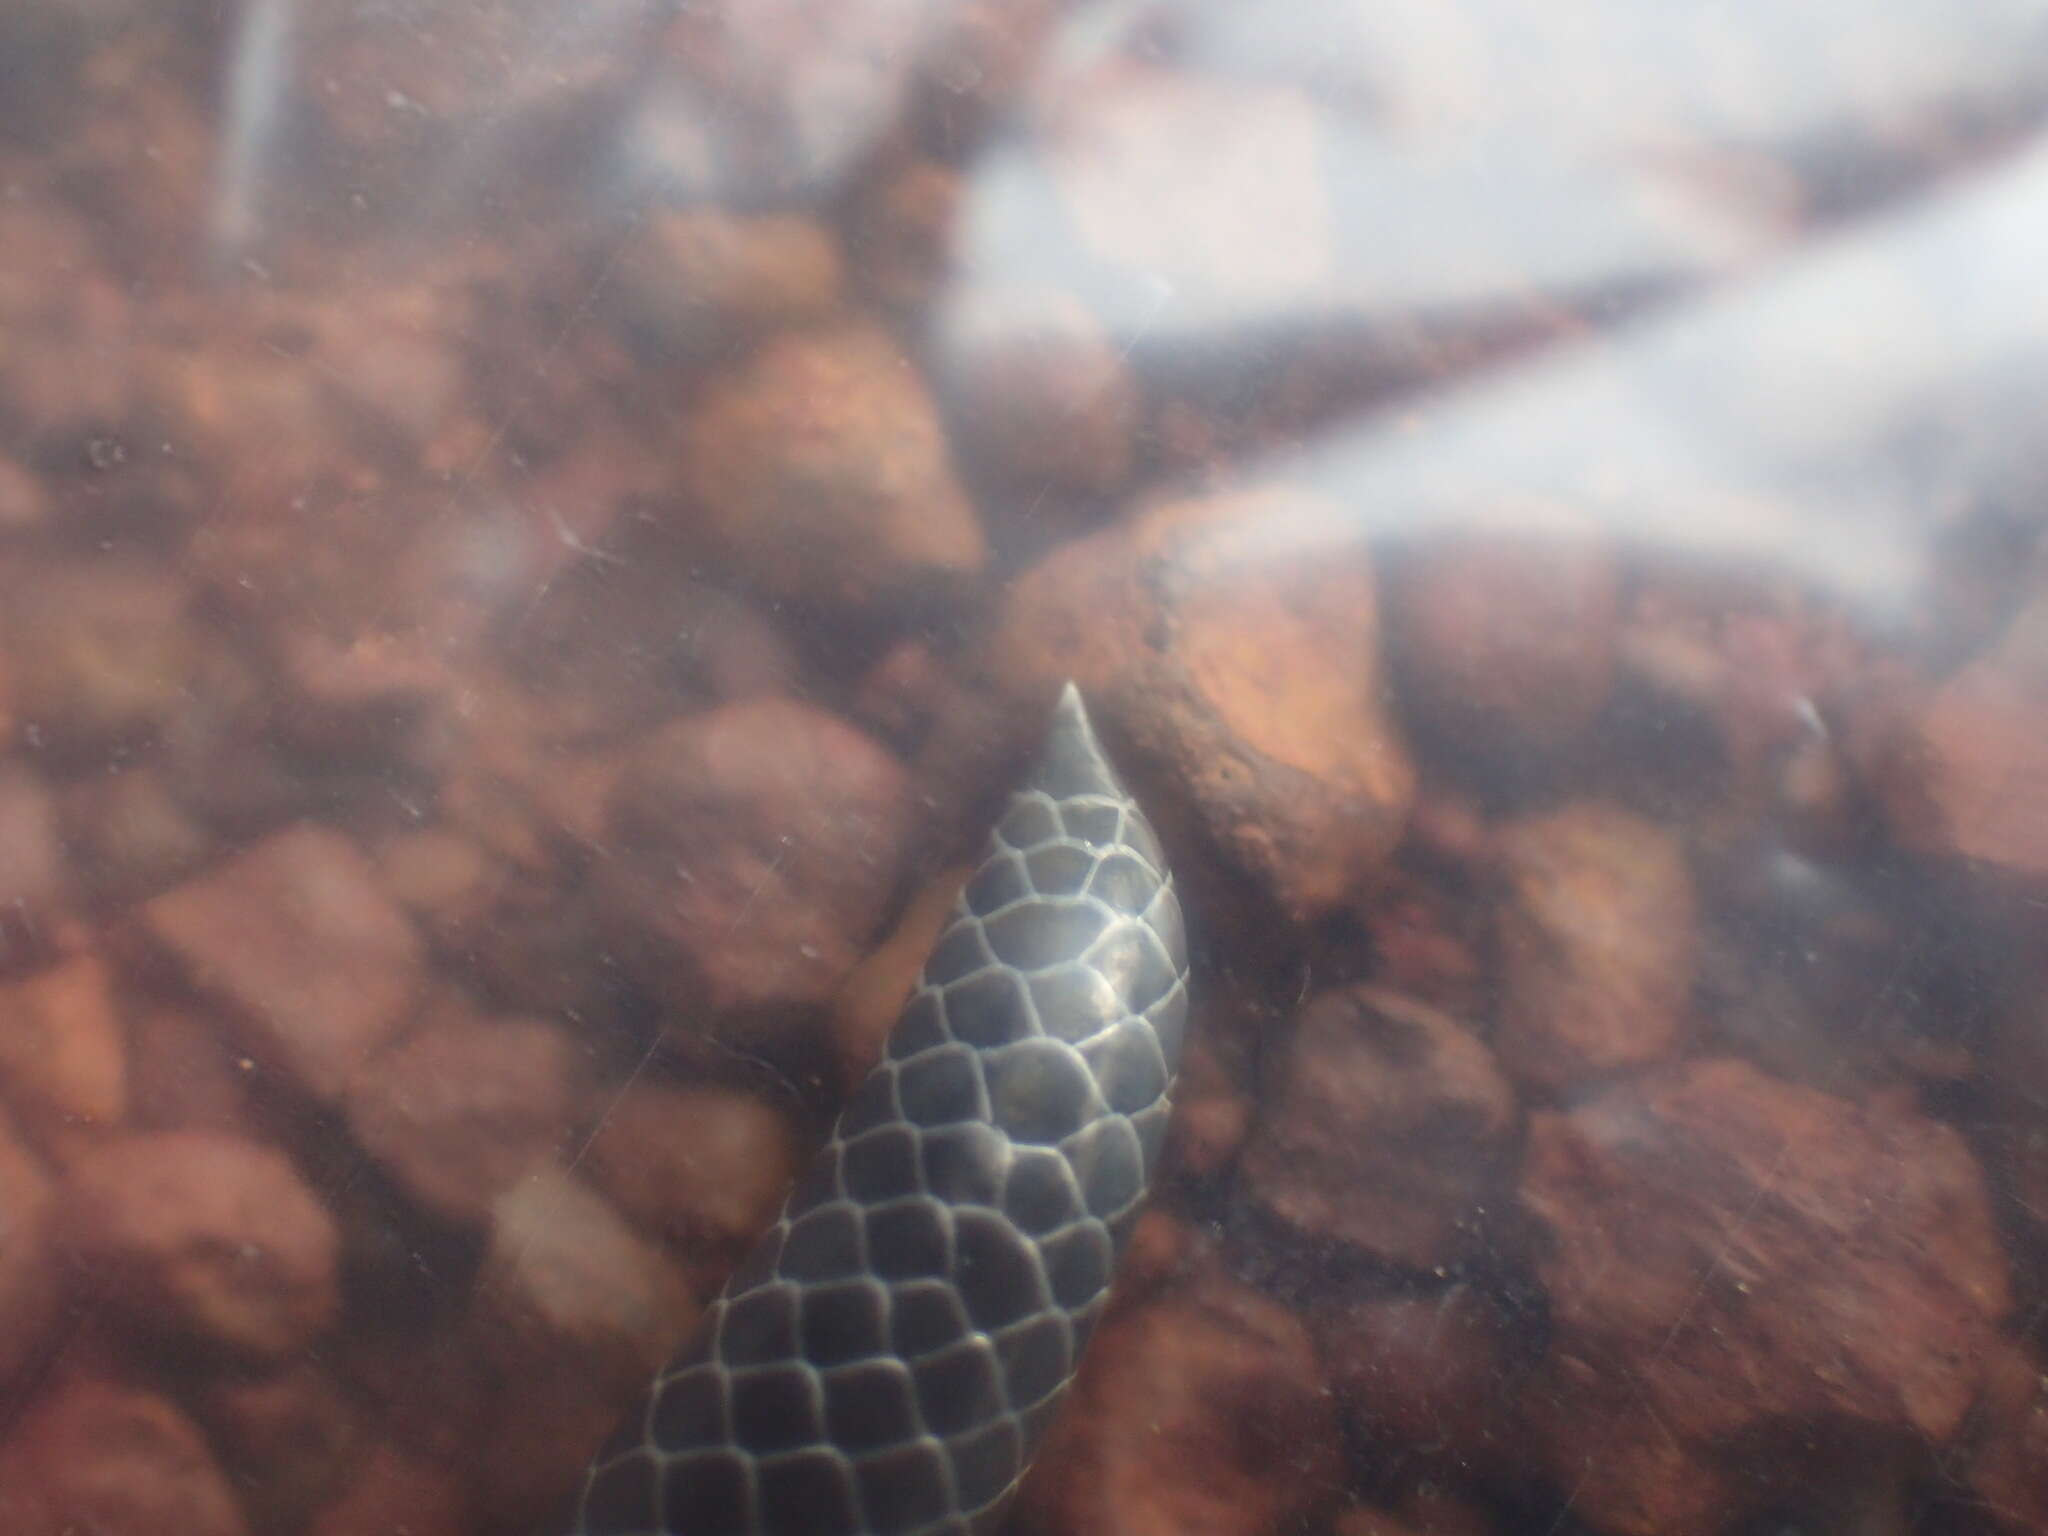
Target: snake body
885	1360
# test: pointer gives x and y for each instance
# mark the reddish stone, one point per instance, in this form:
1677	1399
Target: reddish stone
129	836
902	234
93	1456
24	504
63	1062
390	1492
1202	1409
353	696
2008	1467
613	644
288	1438
200	1235
703	1169
976	59
696	282
1427	941
1420	1372
1229	648
1505	645
33	884
819	469
1212	1113
31	1280
463	1108
182	1075
871	1000
1424	1512
1214	1103
1387	1128
98	652
1042	396
1966	775
752	850
574	1315
318	966
902	693
444	880
1726	1254
1596	945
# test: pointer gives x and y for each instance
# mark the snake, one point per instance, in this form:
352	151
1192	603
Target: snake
888	1356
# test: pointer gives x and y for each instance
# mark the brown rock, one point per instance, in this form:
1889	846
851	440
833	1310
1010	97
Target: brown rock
872	998
695	281
2008	1470
703	1169
613	644
574	1316
392	1493
1428	938
129	835
1387	1128
201	1235
1230	648
63	1064
444	880
1421	1372
752	849
1215	1099
901	694
93	1457
218	756
354	695
463	1108
294	935
1040	393
1504	646
818	467
902	234
977	58
32	867
182	1075
98	651
1424	1512
24	504
1596	945
1200	1410
31	1281
288	1438
1967	774
1726	1254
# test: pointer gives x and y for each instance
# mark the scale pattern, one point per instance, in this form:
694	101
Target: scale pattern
886	1359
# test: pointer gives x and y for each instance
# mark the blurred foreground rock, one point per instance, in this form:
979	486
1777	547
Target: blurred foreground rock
1727	1255
1388	1130
1202	1409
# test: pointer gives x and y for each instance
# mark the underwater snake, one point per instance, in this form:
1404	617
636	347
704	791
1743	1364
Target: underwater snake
885	1360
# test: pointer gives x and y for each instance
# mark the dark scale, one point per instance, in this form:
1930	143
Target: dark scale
883	1364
